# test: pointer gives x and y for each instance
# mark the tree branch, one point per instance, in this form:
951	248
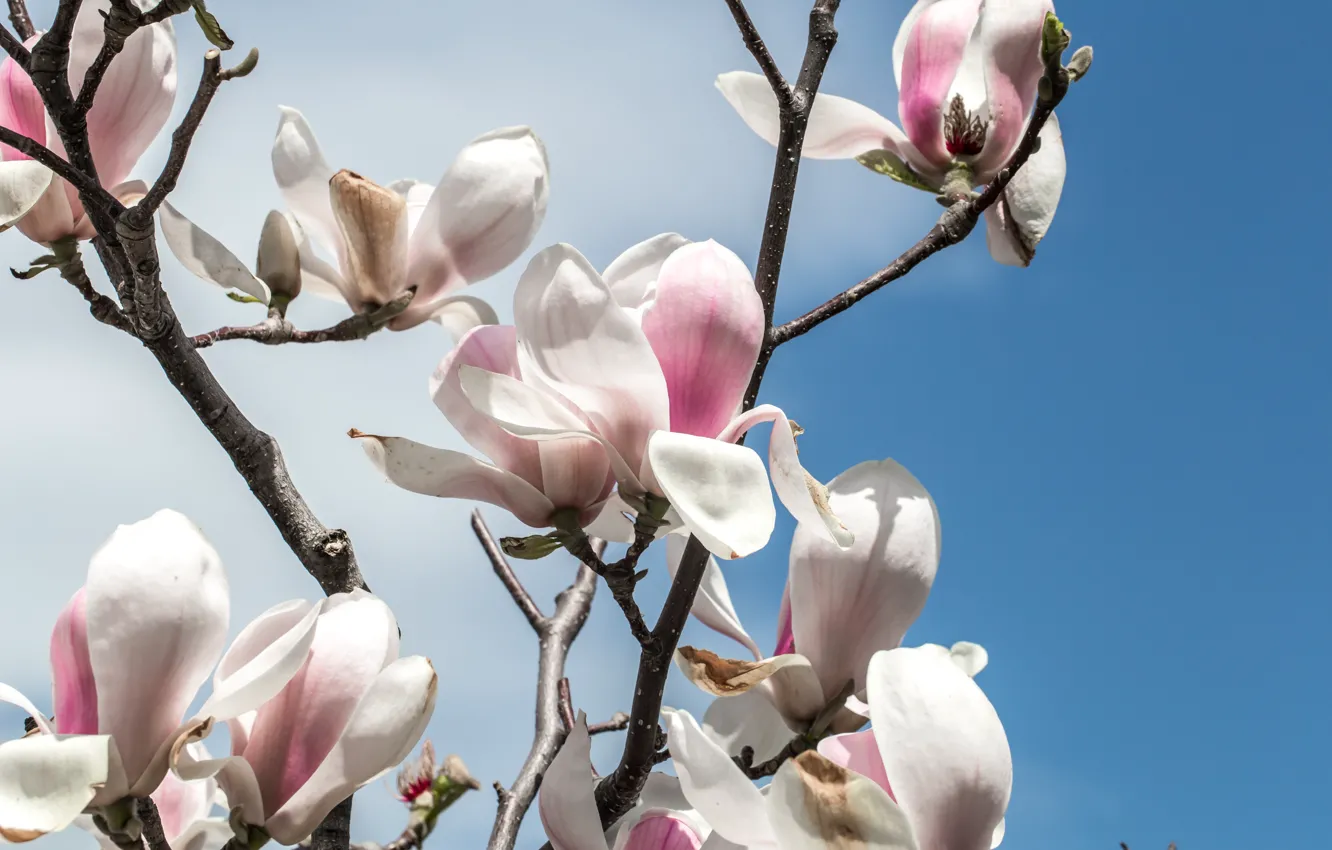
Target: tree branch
122	21
618	723
759	50
557	635
334	833
154	836
276	330
86	185
103	309
506	575
14	47
18	16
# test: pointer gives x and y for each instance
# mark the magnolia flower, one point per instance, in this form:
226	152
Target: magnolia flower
841	606
662	820
967	74
649	363
128	654
132	105
934	773
318	703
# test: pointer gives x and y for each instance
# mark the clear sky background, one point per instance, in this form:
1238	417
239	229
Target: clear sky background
1128	442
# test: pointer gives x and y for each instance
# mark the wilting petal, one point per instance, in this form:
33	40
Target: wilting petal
74	690
566	803
788	680
372	221
575	340
719	489
857	751
800	492
1008	41
631	275
482	216
46	780
943	748
387	724
748	720
205	257
847	604
838	128
454	475
706	327
817	805
233	773
713	785
22	185
303	175
1017	223
459	314
931	55
262	659
712	605
157	609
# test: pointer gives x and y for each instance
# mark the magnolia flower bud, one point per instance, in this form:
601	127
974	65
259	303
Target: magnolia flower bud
1080	62
279	260
374	226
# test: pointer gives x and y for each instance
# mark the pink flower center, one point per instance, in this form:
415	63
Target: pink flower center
964	131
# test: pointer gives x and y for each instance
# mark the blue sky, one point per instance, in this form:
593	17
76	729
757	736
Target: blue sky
1127	441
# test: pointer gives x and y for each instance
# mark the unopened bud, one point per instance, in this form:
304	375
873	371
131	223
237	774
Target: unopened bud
1054	40
279	260
530	548
1080	62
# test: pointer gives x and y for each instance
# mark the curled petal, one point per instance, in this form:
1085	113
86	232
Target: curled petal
719	489
303	176
372	221
632	275
931	54
1008	42
262	659
482	216
157	614
1017	223
566	802
847	604
713	785
712	605
970	658
22	185
459	314
942	745
387	724
454	475
181	804
233	774
205	257
47	780
724	677
816	804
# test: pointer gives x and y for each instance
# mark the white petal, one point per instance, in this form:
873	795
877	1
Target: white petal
207	834
262	659
1017	223
611	524
712	605
712	784
205	257
13	696
630	276
971	657
22	184
748	720
387	724
303	175
567	804
817	805
317	275
998	837
460	313
232	773
719	489
417	195
46	780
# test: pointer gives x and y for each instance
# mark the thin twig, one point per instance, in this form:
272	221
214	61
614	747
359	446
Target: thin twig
103	309
618	723
276	330
41	153
14	47
766	63
504	571
566	705
154	835
793	748
18	16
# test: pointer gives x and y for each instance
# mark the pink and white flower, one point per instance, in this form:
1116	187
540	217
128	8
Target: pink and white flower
967	75
186	811
128	654
367	244
133	104
662	820
650	363
318	704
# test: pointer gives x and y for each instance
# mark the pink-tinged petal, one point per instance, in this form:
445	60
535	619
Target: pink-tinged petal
815	804
706	327
417	195
847	604
661	797
482	216
1018	222
233	774
157	613
74	691
720	491
748	720
386	726
575	340
263	658
21	108
454	475
785	634
459	314
723	796
130	192
943	748
356	635
800	492
181	803
302	175
662	831
712	605
566	803
1008	42
838	128
632	276
22	186
47	780
204	256
137	92
932	54
857	751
